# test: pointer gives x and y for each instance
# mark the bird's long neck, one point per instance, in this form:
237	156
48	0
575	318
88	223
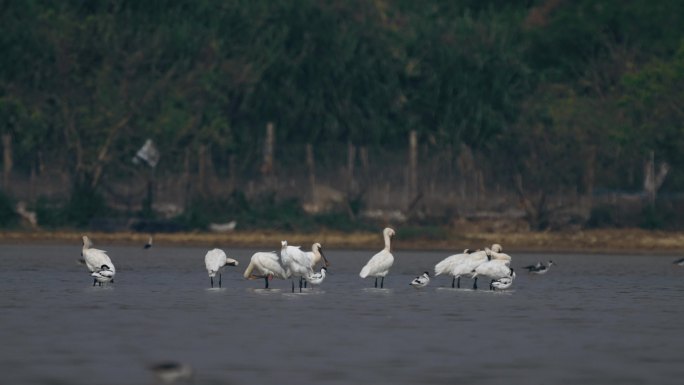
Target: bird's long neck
387	242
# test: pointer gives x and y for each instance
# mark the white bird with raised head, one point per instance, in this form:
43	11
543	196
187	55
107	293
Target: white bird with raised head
214	261
380	263
94	259
296	262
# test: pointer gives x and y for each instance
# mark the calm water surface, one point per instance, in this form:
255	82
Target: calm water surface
593	319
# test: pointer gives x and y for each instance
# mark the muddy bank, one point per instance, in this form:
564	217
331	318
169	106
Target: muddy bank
601	241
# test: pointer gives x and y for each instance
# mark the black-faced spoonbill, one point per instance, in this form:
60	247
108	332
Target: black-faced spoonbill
214	261
421	280
94	259
265	265
380	263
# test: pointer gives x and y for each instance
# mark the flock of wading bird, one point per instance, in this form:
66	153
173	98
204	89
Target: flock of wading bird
293	263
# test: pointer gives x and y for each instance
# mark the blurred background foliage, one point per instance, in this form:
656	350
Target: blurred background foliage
555	94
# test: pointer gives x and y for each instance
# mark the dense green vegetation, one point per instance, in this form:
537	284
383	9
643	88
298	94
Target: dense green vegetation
558	94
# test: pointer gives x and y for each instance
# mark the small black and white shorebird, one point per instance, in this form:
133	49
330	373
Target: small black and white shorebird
104	275
317	278
539	268
502	283
679	262
148	244
170	372
421	280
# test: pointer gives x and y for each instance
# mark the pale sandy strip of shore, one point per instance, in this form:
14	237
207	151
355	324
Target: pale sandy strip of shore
600	241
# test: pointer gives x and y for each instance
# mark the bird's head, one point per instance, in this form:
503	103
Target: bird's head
283	244
318	248
427	274
497	248
104	267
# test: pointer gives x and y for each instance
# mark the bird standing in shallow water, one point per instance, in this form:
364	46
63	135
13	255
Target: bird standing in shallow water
148	244
214	261
539	268
296	262
170	372
679	262
94	259
380	263
104	275
317	278
265	265
502	283
421	280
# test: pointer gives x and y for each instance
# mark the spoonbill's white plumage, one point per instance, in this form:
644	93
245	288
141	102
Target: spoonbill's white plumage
317	278
380	263
170	372
296	262
494	269
502	283
463	264
104	275
214	261
265	265
316	255
539	268
421	280
94	259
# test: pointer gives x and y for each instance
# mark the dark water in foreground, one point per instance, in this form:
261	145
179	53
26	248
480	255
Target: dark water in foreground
593	319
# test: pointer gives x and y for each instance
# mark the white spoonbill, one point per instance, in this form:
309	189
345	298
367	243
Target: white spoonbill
380	263
316	254
421	280
494	269
94	259
463	264
296	262
214	261
317	278
265	265
104	275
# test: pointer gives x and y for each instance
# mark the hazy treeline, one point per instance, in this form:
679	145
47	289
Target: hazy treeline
532	99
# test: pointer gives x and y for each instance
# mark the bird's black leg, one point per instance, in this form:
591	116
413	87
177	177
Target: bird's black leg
491	287
475	284
266	280
458	283
301	280
219	279
293	286
305	282
376	282
212	281
382	283
453	281
94	281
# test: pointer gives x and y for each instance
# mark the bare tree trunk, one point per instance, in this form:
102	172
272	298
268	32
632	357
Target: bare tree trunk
267	166
652	182
6	161
201	168
186	179
351	157
413	165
